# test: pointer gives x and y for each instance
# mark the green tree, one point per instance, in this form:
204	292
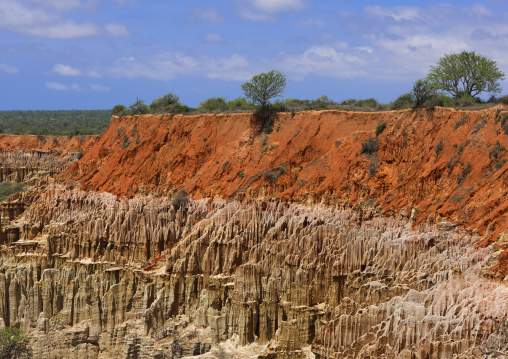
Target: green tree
139	108
14	343
260	90
423	93
213	104
265	86
168	103
467	73
119	110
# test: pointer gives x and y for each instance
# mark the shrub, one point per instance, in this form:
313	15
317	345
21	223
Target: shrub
139	108
438	148
465	101
180	199
321	103
370	146
503	100
372	167
213	105
120	110
369	103
8	188
380	128
240	103
402	102
165	104
423	94
14	343
496	151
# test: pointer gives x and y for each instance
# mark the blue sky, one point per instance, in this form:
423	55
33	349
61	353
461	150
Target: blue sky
94	54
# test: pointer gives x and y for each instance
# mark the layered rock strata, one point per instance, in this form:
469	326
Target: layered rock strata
30	166
108	277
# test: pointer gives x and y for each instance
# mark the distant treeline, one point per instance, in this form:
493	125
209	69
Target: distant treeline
59	123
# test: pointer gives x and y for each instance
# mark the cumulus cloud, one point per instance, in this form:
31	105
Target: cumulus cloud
66	70
62	87
51	19
8	68
213	38
277	5
117	30
266	10
398	13
99	88
166	66
208	14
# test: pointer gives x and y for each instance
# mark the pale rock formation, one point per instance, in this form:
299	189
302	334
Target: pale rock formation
269	273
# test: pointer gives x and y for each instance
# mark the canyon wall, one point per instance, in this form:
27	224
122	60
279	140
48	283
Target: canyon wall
291	245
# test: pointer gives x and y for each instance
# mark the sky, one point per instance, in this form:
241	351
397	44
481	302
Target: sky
95	54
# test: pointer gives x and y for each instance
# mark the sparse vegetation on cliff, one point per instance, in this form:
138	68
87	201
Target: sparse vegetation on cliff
14	344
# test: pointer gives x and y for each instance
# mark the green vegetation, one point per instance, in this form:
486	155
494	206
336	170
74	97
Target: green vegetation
169	103
370	146
62	123
213	105
467	73
14	343
380	128
139	108
8	188
260	90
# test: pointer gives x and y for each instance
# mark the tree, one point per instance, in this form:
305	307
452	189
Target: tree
260	90
139	108
265	86
166	104
467	73
120	110
422	93
14	343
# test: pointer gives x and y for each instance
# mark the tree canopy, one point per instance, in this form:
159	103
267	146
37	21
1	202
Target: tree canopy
265	86
467	73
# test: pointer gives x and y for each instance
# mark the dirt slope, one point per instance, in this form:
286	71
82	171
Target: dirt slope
431	164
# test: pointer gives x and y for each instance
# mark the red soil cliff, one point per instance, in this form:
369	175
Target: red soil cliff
431	164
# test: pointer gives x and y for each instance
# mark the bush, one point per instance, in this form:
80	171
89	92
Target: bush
139	108
369	103
180	199
8	188
240	103
466	101
380	128
213	105
120	110
402	102
169	103
14	343
370	146
321	103
496	151
503	100
423	94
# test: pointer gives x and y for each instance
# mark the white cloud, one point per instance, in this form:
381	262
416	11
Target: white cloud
99	88
208	14
398	13
265	10
166	66
66	70
117	30
48	18
272	6
61	87
8	68
213	38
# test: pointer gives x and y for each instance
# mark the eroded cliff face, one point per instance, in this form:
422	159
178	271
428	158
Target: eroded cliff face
293	245
28	159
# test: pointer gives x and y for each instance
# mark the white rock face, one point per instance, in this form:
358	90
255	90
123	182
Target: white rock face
282	277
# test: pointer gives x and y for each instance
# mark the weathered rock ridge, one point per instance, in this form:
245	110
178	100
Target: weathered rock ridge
434	164
294	245
272	273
